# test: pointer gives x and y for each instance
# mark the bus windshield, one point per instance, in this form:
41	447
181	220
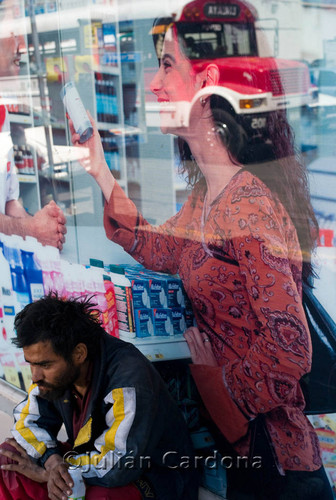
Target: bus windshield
217	40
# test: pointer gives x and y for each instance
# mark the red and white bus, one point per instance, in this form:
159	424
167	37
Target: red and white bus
225	32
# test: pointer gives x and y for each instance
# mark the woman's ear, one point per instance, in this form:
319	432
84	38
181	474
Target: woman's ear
208	77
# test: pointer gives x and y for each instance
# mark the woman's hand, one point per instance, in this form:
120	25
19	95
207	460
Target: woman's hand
93	159
200	347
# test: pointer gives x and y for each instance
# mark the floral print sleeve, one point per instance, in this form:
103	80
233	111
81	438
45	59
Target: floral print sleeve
156	247
264	244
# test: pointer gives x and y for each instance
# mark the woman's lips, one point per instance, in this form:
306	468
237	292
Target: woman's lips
17	60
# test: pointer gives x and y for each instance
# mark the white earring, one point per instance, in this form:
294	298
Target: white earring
210	136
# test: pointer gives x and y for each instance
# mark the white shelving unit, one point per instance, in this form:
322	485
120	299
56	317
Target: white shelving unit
161	348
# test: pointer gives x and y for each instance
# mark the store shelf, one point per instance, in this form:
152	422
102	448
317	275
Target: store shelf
20	118
27	179
161	349
109	70
118	129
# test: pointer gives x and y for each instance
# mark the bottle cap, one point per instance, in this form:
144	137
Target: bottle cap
97	263
116	269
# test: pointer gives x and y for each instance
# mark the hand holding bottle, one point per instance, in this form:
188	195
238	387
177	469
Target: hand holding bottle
93	159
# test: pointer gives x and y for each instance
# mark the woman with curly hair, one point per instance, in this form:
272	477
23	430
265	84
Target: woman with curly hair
241	244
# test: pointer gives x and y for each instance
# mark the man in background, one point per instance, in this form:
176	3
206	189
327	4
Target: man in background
48	224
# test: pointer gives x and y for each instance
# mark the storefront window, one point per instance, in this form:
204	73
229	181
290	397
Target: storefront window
268	62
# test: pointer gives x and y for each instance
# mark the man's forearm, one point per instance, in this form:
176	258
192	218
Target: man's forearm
16	225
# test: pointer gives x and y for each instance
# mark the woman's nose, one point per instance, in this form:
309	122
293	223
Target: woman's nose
156	83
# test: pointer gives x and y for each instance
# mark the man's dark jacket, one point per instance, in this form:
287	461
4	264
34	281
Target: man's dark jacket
132	427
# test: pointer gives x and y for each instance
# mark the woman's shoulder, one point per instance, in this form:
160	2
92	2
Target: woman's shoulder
247	188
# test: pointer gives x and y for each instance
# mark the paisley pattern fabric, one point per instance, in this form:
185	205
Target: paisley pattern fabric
241	268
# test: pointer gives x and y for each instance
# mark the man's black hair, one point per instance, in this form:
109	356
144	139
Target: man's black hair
65	323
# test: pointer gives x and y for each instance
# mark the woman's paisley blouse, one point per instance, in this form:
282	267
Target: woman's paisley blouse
241	268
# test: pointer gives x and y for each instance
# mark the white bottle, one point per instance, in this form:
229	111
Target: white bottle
55	270
78	271
43	260
124	302
68	285
78	489
76	111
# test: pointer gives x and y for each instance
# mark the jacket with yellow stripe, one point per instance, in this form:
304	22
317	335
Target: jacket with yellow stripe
132	426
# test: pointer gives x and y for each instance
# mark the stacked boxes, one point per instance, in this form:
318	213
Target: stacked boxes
161	308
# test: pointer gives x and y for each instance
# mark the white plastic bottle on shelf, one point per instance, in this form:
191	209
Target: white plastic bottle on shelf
44	263
78	280
68	286
93	290
100	297
124	302
56	271
49	260
89	287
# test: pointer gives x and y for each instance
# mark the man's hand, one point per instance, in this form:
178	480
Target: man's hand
60	483
48	225
22	462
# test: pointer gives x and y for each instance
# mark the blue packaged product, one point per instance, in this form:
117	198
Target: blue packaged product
13	256
140	291
179	320
144	322
175	292
32	272
158	292
163	322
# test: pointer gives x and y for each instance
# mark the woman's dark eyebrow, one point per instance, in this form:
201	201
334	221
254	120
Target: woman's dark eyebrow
168	56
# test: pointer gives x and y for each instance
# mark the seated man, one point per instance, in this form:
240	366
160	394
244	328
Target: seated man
124	430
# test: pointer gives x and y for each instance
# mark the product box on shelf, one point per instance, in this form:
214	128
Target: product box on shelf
158	291
144	322
179	320
140	290
163	322
124	301
175	292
